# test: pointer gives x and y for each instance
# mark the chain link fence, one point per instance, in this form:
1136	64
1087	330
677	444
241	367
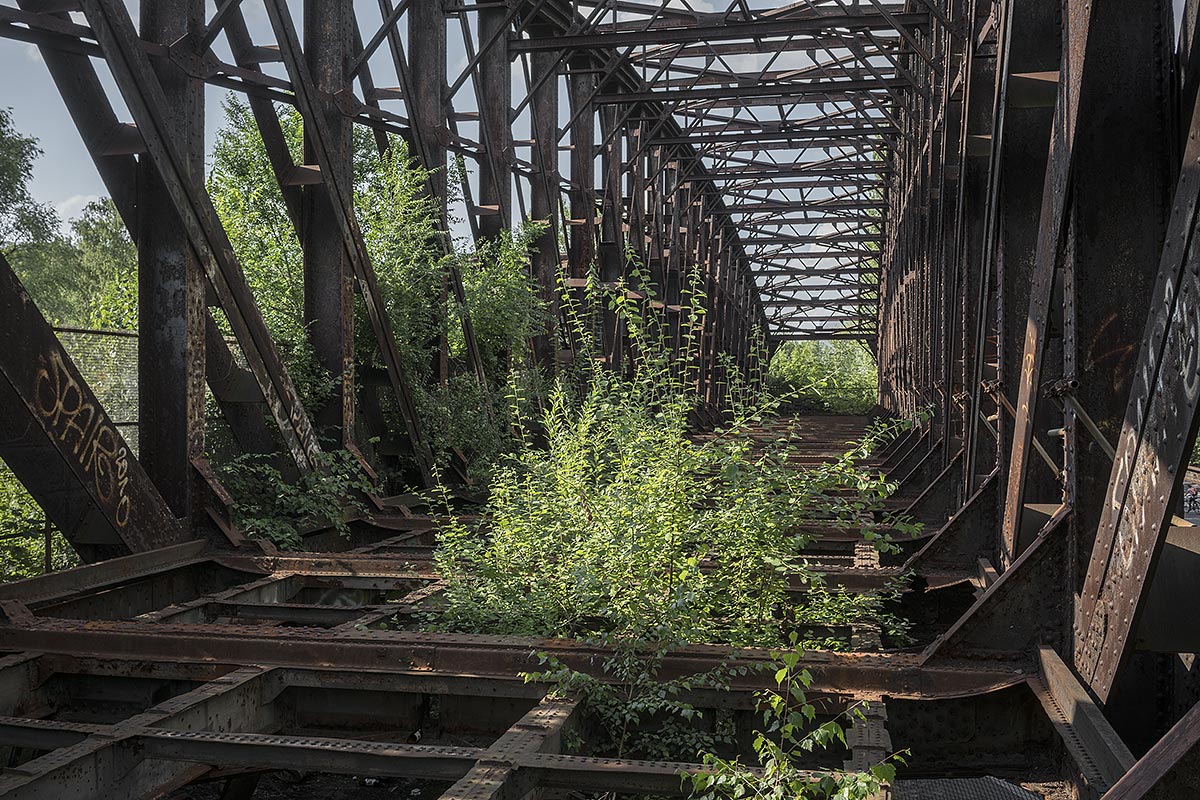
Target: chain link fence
108	361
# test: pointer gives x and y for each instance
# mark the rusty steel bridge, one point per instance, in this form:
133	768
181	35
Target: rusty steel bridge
997	196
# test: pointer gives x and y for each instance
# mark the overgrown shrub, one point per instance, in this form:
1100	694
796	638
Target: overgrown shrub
789	734
617	520
838	376
502	299
270	507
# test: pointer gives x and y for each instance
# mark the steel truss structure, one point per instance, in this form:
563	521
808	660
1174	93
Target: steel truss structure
998	196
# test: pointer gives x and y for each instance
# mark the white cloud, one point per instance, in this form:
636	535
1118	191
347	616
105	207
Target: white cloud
33	53
72	206
701	6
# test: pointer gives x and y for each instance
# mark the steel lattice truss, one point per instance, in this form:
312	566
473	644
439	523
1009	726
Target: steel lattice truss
1001	197
790	113
740	158
774	125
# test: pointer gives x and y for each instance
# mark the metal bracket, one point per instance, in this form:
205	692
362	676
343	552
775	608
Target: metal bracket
993	388
1063	391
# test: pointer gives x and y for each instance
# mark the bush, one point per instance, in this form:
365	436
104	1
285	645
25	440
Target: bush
622	522
22	541
838	376
270	507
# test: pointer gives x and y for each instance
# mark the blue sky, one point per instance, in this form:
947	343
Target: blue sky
64	176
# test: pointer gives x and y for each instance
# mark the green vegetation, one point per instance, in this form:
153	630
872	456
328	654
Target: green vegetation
411	263
599	530
614	524
252	209
789	734
22	534
837	376
84	278
88	278
608	519
593	526
639	713
272	508
22	220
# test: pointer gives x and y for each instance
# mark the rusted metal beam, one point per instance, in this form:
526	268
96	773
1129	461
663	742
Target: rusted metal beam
1100	754
328	275
171	283
1159	424
61	444
897	675
582	239
495	101
679	34
1108	287
144	97
545	201
768	93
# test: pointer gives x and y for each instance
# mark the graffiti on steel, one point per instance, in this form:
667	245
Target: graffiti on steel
84	430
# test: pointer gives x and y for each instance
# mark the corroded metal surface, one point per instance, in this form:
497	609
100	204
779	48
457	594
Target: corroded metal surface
977	190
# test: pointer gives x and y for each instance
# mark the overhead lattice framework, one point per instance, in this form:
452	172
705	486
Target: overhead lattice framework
774	125
791	112
1001	196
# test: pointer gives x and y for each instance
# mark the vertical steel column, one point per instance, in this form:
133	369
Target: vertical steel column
636	170
1120	196
77	83
611	251
582	251
668	235
328	276
973	304
1159	427
495	103
725	322
711	264
427	110
1032	50
544	199
1095	54
652	219
171	286
949	172
612	240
